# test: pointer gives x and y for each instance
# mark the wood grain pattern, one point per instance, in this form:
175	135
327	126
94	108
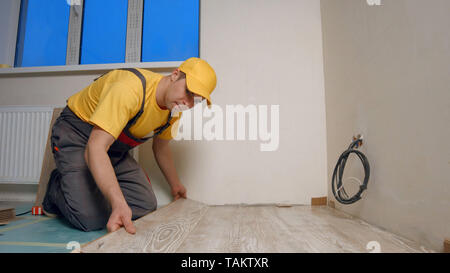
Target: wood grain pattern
7	214
217	231
255	229
160	231
48	162
188	226
350	234
294	229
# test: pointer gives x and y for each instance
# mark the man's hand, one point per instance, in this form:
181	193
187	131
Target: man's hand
164	159
178	190
100	166
121	217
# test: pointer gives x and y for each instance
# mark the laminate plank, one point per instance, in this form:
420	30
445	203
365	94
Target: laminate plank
252	229
284	230
191	227
48	162
359	233
262	231
7	214
216	232
313	234
160	231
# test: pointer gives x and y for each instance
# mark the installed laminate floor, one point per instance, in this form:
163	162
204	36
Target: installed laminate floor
190	226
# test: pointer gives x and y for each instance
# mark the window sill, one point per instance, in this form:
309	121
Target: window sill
88	67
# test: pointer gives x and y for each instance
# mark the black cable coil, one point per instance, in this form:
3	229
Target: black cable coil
336	184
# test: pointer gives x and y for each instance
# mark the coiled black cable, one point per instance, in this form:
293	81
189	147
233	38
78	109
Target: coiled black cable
336	184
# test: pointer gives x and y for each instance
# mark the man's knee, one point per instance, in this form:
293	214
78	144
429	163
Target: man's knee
89	220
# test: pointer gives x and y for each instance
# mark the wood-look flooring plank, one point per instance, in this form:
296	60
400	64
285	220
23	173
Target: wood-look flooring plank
253	229
188	226
359	233
217	232
48	162
292	229
160	231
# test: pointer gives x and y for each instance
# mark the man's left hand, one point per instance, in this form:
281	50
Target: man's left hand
178	191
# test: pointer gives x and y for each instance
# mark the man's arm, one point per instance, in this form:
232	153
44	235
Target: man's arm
100	166
163	156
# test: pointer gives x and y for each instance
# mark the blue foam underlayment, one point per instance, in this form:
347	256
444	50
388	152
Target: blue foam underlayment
41	234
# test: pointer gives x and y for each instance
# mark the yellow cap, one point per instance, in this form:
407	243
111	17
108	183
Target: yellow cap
200	77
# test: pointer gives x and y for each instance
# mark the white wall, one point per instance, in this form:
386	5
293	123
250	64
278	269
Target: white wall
264	52
270	53
386	76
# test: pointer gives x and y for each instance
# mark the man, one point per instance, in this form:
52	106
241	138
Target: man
97	182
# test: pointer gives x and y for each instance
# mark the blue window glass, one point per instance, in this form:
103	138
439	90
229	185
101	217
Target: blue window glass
42	33
104	31
170	30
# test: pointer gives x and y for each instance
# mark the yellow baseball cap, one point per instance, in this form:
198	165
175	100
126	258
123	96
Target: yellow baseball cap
200	77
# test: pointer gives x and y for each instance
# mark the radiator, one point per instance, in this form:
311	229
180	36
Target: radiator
23	136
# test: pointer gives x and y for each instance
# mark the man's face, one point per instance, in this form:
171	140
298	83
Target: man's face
178	96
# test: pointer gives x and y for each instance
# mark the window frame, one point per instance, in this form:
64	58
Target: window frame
15	17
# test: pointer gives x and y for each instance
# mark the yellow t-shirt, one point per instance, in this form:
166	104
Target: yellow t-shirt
115	98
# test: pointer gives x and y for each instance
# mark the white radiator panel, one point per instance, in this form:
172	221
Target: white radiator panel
23	136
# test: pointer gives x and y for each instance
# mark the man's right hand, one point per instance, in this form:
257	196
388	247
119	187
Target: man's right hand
99	164
121	217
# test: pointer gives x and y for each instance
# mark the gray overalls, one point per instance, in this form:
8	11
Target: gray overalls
72	191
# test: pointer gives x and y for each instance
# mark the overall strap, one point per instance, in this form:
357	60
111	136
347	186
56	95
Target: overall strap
158	130
144	85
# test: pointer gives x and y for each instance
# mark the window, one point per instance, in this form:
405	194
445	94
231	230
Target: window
42	33
164	31
104	31
173	34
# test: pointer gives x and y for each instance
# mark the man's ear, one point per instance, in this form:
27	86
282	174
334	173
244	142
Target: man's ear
175	74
